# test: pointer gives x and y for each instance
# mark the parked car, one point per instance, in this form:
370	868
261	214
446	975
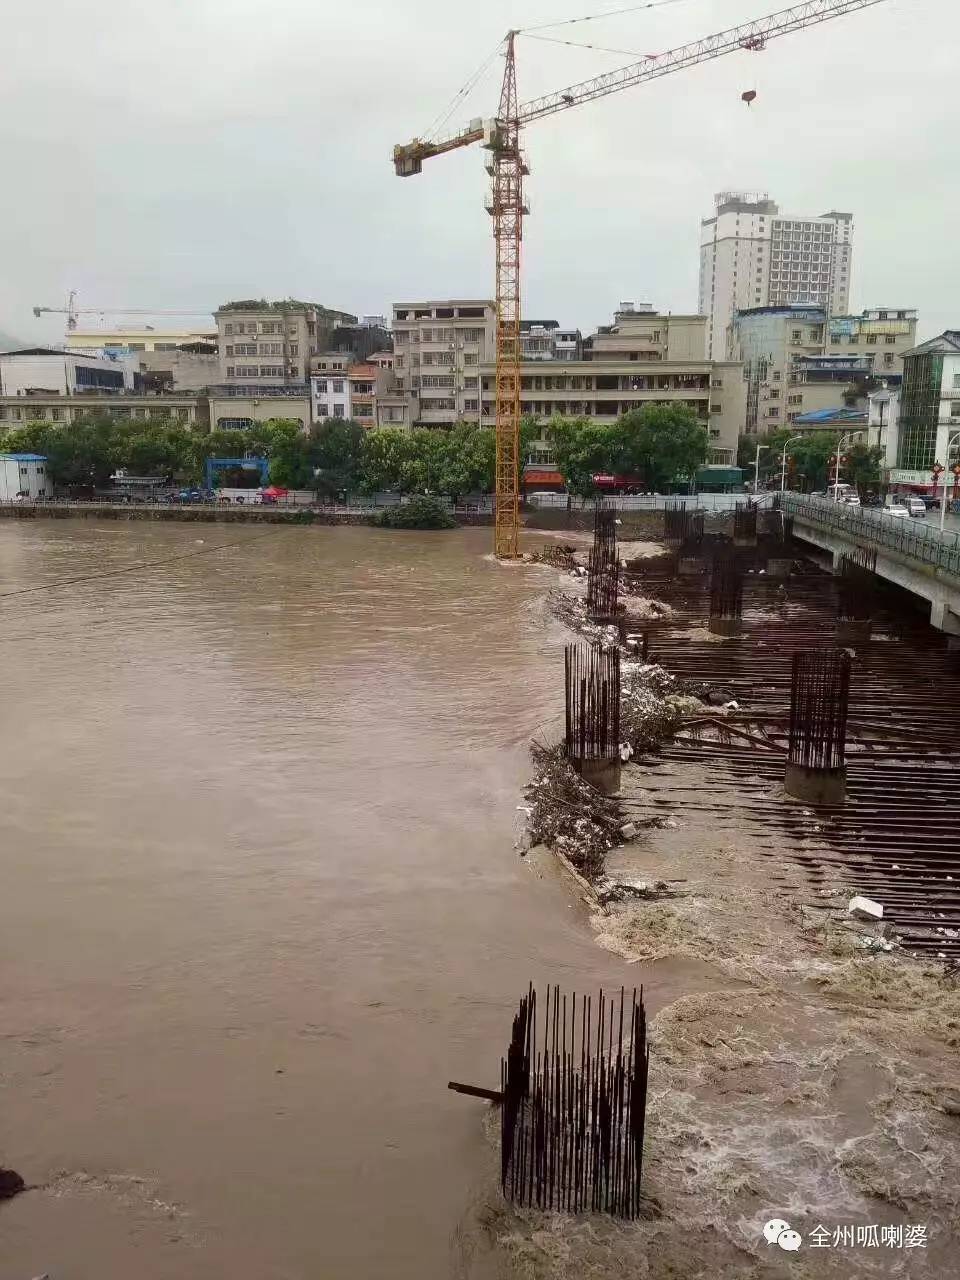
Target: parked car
851	499
896	512
912	504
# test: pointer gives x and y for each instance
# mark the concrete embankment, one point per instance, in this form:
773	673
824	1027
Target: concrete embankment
210	514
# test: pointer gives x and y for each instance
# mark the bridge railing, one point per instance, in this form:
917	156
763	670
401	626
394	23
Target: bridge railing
912	538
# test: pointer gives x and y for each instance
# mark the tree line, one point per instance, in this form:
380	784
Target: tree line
809	465
657	446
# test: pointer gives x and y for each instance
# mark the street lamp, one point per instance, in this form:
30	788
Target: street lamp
783	461
756	469
836	472
952	439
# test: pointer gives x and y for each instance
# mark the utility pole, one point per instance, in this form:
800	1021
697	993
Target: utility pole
756	469
783	461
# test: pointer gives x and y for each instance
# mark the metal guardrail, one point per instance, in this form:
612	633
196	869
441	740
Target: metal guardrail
915	539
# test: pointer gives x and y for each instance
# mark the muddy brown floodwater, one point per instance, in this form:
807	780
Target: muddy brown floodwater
259	899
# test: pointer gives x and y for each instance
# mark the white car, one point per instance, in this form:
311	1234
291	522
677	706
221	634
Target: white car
896	513
852	499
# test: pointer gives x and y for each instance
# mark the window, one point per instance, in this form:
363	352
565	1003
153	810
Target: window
794	399
294	349
774	393
890	339
183	415
321	386
872	337
271	371
231	372
776	375
363	410
228	328
338	386
888	359
716	408
245	349
955	408
835	339
247	371
57	415
796	336
322	411
470	357
339	411
471	335
773	413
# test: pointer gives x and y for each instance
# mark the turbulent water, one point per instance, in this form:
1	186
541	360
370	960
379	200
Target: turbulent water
258	894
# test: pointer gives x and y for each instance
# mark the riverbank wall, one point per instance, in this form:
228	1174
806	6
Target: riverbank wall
200	514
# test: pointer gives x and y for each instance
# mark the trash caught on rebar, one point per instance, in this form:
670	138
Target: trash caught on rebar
574	1104
819	701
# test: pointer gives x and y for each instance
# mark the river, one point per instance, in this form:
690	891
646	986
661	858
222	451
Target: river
260	899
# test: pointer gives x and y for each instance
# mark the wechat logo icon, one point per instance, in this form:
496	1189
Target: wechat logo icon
776	1231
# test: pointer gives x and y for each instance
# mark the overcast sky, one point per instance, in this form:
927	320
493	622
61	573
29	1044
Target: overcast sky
178	153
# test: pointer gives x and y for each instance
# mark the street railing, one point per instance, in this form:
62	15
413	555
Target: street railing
912	538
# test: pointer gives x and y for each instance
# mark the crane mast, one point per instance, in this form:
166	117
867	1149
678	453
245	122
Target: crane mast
501	137
507	210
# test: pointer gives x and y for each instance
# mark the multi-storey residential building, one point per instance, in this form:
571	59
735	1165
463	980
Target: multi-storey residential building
929	420
642	358
798	360
266	342
350	393
438	349
753	256
881	335
538	339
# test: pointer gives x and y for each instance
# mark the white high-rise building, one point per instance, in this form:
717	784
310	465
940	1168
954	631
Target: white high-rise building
751	255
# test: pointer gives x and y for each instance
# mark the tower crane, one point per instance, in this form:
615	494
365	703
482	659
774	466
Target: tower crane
72	311
507	167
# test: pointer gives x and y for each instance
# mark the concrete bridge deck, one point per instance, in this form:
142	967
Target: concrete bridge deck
911	553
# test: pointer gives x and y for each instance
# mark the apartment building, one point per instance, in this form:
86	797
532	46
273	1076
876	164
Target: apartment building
799	360
350	393
438	349
266	342
751	256
929	418
642	358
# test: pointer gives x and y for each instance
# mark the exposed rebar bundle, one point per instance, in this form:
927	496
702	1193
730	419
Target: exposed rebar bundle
676	521
573	1114
745	522
605	529
603	584
856	585
726	588
819	700
603	567
693	534
592	704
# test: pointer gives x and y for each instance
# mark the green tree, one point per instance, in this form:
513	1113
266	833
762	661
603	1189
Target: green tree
864	467
582	449
336	451
663	442
386	460
468	462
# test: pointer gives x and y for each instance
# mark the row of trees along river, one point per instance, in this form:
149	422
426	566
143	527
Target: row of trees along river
659	446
